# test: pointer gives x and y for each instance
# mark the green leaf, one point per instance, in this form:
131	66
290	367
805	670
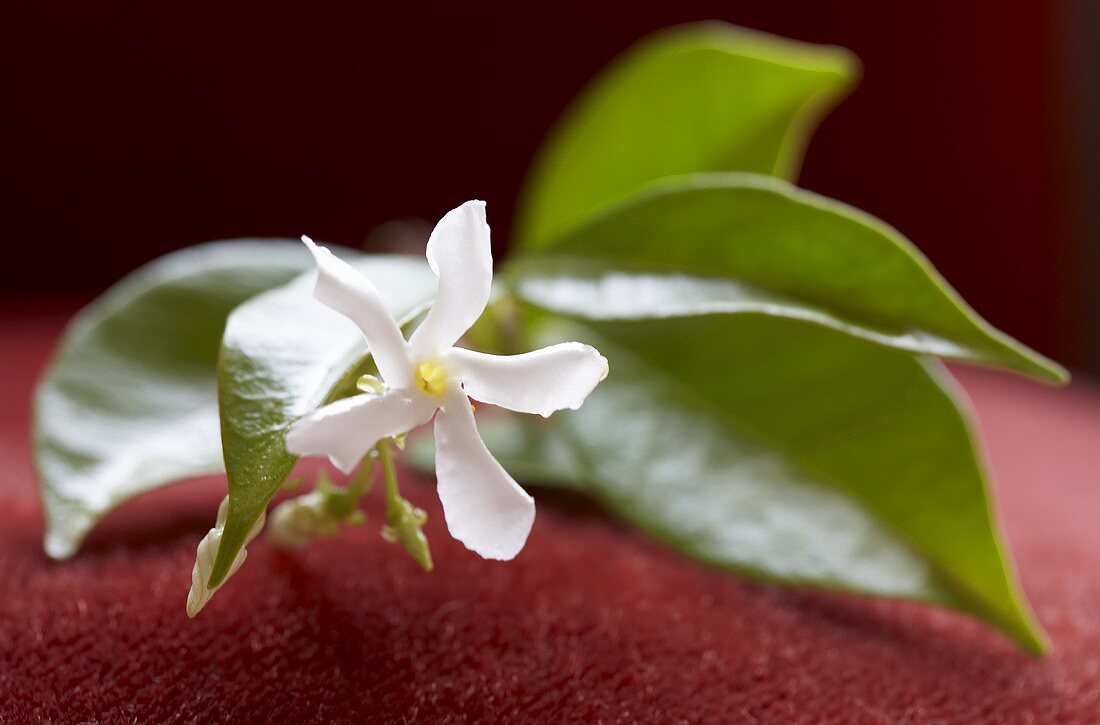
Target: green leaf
284	354
751	244
532	449
128	402
796	454
702	97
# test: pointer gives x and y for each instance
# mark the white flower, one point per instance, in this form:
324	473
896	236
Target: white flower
484	507
206	554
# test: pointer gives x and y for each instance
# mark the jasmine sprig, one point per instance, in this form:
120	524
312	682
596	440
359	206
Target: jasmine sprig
776	408
428	377
424	378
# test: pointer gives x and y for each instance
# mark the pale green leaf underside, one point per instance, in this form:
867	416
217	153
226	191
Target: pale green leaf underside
792	453
703	97
745	243
284	354
128	402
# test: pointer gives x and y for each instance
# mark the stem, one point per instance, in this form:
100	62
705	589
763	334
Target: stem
389	473
343	503
360	483
404	520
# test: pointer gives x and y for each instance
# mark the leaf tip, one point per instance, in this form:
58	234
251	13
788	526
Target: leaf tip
58	546
1055	373
1038	644
66	527
1028	634
1033	364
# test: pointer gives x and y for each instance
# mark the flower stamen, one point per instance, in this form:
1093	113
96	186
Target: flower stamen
431	377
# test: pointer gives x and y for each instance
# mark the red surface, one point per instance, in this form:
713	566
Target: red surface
591	623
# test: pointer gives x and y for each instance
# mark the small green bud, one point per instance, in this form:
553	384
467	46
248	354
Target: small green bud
294	523
405	525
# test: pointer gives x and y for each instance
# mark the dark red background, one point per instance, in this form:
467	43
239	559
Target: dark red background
133	130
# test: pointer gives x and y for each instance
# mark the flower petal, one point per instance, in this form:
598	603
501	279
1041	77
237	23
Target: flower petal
345	430
347	291
555	377
461	256
485	508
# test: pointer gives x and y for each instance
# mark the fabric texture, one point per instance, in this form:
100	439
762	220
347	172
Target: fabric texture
592	622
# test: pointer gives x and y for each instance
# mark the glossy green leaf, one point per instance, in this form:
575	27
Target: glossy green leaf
702	97
745	243
532	449
796	454
283	354
128	402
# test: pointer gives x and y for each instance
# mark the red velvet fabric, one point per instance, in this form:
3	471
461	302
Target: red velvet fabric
591	623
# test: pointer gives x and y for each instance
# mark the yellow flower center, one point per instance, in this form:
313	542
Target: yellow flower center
431	377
